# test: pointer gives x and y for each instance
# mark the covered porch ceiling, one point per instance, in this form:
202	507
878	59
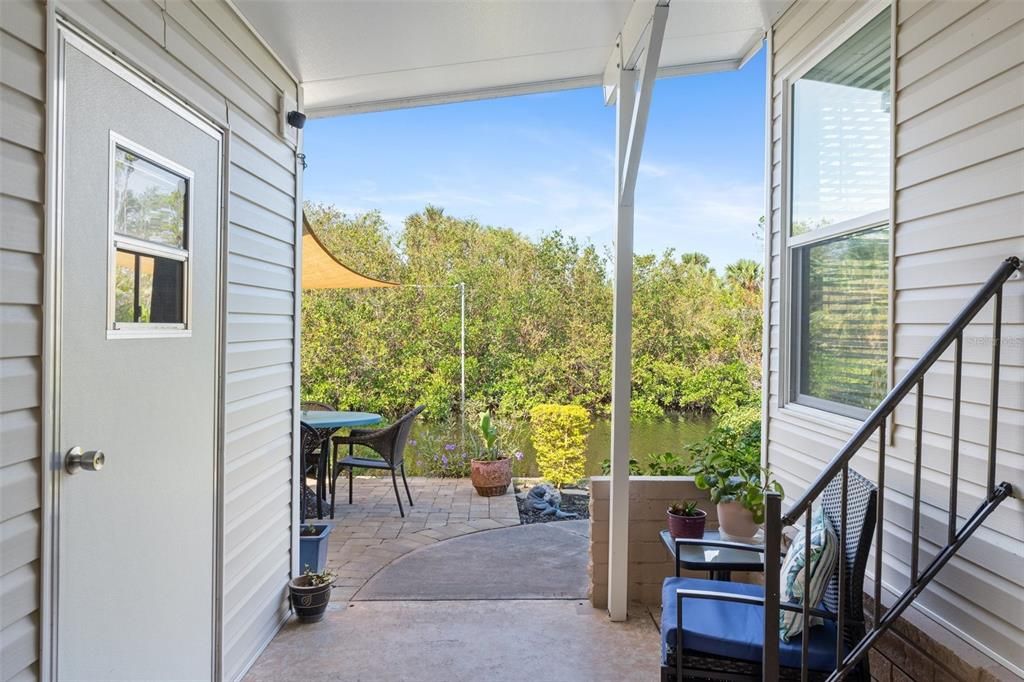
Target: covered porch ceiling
355	56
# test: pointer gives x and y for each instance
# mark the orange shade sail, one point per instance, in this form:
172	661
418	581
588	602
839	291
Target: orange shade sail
321	270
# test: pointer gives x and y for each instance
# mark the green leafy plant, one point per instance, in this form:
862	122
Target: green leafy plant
634	467
727	463
559	435
324	577
687	508
487	448
667	464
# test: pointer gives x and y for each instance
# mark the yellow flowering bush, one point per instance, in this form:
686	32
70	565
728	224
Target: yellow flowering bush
559	435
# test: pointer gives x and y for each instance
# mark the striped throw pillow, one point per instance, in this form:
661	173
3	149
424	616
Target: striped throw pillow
823	556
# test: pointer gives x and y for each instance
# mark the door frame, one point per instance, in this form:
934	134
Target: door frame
60	33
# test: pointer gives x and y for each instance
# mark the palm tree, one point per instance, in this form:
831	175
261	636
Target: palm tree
744	274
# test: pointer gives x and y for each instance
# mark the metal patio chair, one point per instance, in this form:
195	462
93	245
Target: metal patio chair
311	447
714	630
388	442
315	406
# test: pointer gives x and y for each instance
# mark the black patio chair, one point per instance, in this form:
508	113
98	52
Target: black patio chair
314	406
388	442
714	630
311	447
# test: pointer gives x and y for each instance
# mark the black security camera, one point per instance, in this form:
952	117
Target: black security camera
296	119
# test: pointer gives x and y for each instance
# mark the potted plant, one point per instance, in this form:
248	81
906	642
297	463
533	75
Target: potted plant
313	546
490	471
728	465
686	520
310	593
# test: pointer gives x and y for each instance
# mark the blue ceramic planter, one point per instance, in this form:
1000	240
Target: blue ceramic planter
313	549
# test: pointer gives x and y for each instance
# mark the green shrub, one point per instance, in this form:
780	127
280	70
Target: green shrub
668	464
559	435
634	467
645	410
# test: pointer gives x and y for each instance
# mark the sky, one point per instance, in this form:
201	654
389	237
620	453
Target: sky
537	163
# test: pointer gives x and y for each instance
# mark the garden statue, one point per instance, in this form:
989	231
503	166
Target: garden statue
546	499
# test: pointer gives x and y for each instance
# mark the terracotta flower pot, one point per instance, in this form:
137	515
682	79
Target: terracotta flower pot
680	526
735	520
491	477
309	601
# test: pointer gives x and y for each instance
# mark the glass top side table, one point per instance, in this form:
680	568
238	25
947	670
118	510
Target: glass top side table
713	554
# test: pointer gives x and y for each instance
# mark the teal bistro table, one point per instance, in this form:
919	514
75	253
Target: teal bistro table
326	423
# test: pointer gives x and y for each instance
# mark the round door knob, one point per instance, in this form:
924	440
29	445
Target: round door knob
76	460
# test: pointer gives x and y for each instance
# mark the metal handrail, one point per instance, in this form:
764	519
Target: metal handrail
839	466
876	420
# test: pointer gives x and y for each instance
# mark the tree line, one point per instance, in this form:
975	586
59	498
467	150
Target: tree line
538	322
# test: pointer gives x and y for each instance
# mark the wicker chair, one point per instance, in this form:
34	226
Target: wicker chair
388	442
723	640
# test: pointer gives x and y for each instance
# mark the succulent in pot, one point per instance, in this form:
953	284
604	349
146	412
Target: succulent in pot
490	470
686	520
310	593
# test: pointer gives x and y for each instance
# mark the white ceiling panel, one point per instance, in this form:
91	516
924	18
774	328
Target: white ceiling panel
366	55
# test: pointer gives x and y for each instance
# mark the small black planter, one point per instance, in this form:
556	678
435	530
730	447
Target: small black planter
309	601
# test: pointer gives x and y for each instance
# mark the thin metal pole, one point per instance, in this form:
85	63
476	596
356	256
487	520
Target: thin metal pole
880	521
462	354
993	417
915	531
954	453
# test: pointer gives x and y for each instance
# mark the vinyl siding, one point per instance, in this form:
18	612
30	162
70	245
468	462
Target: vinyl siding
22	137
206	55
959	206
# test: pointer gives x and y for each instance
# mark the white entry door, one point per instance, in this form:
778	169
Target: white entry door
137	365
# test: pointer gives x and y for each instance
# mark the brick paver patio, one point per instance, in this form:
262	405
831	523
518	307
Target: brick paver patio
370	533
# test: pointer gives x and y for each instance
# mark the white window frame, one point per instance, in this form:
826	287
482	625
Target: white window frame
119	241
825	412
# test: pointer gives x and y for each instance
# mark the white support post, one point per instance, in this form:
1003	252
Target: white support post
635	64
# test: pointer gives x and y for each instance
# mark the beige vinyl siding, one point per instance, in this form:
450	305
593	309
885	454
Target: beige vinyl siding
22	144
959	205
205	54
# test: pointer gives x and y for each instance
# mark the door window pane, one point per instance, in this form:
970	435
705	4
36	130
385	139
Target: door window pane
842	309
840	151
148	289
149	201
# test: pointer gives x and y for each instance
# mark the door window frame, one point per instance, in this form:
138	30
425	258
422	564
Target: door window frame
115	239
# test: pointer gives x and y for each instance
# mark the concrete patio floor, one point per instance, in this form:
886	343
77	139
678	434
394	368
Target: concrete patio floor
533	561
456	641
439	606
370	533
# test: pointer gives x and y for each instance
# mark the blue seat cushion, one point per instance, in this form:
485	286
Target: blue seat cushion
733	630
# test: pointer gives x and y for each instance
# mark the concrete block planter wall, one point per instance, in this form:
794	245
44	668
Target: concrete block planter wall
649	561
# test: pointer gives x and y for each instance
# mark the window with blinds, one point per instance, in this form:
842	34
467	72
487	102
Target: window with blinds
839	232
